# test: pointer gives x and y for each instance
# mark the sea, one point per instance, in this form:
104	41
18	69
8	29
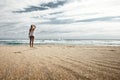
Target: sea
81	42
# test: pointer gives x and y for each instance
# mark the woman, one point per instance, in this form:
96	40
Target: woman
31	36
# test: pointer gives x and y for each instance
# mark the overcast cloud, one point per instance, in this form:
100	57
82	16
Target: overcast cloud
55	19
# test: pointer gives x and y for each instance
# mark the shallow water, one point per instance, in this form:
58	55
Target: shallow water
64	42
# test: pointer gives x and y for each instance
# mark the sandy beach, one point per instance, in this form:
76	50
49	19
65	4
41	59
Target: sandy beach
59	62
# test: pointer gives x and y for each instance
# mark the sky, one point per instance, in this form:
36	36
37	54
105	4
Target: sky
60	19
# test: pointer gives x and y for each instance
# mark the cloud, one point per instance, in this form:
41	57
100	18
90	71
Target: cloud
55	13
56	21
110	18
43	6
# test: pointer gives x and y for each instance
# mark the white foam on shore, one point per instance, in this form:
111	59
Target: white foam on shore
64	42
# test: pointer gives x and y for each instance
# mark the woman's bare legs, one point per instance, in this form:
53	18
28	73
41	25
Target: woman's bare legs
31	41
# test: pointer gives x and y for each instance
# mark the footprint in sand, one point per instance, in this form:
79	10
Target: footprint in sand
18	52
112	50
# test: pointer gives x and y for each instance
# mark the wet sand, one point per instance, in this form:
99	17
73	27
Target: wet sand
59	62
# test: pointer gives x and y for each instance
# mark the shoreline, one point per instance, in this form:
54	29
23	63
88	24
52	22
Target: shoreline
63	42
55	45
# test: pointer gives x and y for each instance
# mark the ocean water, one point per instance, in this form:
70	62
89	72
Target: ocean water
63	42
